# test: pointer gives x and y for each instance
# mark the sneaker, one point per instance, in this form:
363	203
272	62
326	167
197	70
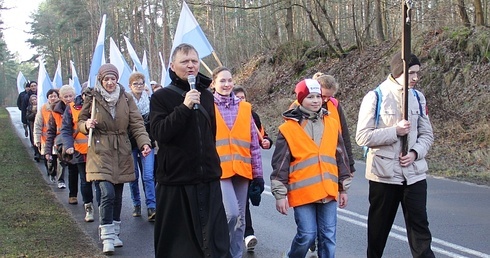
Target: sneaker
61	185
52	179
72	200
151	214
250	243
137	211
89	212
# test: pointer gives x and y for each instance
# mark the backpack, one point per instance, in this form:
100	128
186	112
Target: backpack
379	98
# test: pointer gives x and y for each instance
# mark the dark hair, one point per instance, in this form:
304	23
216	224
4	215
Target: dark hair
238	89
51	91
31	82
184	48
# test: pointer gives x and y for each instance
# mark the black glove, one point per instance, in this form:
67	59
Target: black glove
255	189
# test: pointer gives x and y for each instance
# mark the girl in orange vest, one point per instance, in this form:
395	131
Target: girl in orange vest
310	169
238	147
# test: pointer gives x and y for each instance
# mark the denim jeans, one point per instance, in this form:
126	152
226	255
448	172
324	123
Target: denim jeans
85	187
146	169
235	197
312	220
110	202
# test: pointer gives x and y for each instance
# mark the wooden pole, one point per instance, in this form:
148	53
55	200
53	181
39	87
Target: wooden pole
406	53
207	67
92	116
217	59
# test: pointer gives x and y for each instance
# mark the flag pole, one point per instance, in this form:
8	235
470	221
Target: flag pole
92	116
207	67
217	59
406	53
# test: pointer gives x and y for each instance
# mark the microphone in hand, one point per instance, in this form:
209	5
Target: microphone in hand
192	82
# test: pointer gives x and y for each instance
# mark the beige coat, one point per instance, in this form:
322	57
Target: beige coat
109	158
382	162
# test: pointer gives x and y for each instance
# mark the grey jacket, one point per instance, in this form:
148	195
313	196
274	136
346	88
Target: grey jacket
382	162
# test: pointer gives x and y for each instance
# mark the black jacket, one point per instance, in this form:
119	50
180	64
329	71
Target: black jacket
186	137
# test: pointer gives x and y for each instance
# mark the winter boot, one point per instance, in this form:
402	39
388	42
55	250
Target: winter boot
117	230
107	236
89	212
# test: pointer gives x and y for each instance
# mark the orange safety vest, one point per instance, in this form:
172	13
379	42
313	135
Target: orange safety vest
80	143
333	111
58	119
233	145
313	171
45	113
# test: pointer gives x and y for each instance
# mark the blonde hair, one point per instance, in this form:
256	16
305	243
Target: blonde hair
326	81
66	89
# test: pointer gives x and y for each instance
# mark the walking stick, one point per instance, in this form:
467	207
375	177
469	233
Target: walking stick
92	115
406	53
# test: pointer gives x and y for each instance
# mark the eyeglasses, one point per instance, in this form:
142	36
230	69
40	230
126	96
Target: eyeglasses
137	84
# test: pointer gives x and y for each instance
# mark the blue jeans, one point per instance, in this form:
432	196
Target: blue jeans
110	202
147	164
312	220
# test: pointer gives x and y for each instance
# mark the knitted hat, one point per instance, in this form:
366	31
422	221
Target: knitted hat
107	69
305	87
397	63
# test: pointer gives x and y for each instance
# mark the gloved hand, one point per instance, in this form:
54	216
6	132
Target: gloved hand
255	189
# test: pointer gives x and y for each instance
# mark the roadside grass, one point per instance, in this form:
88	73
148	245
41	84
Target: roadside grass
33	223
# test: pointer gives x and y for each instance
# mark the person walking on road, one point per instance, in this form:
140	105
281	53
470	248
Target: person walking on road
265	143
22	104
237	142
395	178
31	116
142	100
41	133
54	142
310	171
190	218
76	146
109	157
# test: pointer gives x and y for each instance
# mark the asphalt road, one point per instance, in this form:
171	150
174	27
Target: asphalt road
459	217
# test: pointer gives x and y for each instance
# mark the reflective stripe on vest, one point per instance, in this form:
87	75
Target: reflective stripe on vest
313	173
233	145
80	140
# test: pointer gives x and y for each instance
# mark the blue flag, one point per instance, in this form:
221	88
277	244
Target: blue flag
98	59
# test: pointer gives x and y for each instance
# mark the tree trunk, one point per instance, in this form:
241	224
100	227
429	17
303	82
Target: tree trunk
463	14
479	16
379	22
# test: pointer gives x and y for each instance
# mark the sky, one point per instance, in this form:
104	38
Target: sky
15	25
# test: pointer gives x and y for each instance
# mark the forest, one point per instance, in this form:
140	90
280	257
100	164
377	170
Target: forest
271	44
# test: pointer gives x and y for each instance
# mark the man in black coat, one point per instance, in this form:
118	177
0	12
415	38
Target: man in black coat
190	210
22	103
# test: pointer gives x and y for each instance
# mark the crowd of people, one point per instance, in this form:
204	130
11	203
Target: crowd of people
196	145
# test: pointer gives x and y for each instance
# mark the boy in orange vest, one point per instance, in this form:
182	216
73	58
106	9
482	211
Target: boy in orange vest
310	171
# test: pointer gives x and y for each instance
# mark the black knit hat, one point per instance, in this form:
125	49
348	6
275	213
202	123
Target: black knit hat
397	63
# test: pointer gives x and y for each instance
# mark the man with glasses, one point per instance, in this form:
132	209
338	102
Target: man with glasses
396	178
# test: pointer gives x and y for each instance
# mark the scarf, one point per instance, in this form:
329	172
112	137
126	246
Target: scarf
143	103
110	98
